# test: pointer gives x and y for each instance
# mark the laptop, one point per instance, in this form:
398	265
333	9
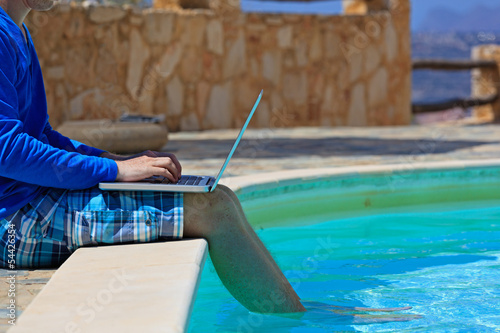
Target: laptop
187	183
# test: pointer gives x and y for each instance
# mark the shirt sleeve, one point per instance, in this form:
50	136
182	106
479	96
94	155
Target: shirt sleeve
27	159
58	140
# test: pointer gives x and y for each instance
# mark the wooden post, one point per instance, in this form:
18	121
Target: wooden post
486	82
166	4
362	7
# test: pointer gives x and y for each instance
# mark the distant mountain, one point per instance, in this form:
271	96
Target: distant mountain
479	18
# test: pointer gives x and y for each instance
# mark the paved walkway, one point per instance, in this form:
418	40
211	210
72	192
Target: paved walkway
282	149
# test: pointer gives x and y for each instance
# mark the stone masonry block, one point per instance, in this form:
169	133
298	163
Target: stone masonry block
106	14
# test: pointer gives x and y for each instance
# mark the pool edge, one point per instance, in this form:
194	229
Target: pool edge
244	184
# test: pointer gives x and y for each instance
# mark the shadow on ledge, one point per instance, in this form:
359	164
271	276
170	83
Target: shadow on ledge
323	147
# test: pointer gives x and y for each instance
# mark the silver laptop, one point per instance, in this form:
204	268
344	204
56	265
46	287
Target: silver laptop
187	183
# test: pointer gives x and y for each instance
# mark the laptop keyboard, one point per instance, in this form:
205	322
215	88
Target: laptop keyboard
189	180
185	180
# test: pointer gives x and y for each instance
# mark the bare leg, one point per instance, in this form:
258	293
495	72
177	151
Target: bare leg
242	262
248	227
362	315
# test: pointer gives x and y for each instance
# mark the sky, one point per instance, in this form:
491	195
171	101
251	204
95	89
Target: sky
419	7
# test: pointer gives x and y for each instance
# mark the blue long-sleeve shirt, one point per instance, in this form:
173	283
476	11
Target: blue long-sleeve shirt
33	156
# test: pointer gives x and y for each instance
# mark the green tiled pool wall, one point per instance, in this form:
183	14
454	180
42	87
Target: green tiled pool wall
341	196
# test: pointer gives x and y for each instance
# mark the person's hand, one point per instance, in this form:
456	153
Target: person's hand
152	153
148	164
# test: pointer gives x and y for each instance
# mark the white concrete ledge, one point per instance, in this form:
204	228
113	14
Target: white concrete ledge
123	288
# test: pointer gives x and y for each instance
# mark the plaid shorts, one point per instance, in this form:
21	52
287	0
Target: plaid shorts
46	231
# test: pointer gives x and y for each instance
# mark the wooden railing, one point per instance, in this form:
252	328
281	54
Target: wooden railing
453	65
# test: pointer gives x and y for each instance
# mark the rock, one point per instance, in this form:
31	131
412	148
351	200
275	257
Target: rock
194	30
202	92
263	115
106	14
285	37
357	109
236	61
271	66
295	87
56	73
169	60
139	54
355	66
220	107
372	59
190	123
377	88
77	104
117	137
301	52
175	97
391	40
331	45
316	50
191	65
215	37
159	27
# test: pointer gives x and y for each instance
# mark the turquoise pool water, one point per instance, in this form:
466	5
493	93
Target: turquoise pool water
443	261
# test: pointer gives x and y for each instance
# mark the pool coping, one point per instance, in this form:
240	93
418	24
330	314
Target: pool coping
133	288
190	264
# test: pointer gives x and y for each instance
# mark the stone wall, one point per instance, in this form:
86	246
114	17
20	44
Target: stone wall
486	82
204	68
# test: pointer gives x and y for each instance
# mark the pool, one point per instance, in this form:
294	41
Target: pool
425	237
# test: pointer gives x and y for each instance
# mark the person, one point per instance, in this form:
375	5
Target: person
50	204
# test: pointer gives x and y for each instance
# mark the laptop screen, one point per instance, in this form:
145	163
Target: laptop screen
238	139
